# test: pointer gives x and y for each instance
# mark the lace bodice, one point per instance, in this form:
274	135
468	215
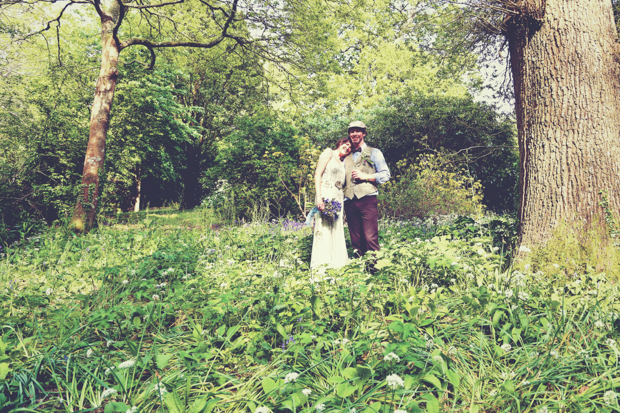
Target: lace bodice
332	180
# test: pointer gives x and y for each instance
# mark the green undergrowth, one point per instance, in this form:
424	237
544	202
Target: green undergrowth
150	316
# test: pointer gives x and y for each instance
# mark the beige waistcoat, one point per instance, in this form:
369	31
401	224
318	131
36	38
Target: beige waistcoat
354	188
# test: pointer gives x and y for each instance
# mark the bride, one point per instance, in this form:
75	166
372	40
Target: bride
329	247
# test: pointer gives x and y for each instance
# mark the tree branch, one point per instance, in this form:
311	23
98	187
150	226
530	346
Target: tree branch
150	6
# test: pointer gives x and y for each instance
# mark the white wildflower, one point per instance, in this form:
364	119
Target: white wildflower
312	337
523	248
554	353
556	266
391	356
49	291
223	285
320	407
526	382
108	370
306	392
437	359
125	281
506	347
291	377
610	342
429	343
127	364
155	297
610	397
231	262
599	324
509	293
109	343
89	352
107	393
495	249
400	411
527	267
161	389
393	381
491	286
345	341
543	410
262	409
452	351
492	392
452	280
523	295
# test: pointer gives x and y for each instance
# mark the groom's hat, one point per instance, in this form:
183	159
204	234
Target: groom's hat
357	124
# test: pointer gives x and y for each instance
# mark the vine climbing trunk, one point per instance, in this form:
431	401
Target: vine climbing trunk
564	60
84	214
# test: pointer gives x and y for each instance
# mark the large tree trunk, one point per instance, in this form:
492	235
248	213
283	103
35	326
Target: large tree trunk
84	214
566	79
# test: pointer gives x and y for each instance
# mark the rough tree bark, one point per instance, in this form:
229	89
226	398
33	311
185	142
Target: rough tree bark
84	215
564	60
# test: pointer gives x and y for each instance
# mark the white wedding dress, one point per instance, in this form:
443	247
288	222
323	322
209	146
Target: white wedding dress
329	249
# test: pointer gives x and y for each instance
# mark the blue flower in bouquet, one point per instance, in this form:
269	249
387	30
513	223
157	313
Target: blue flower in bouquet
332	208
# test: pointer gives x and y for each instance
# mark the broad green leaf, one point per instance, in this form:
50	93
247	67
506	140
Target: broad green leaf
268	385
454	378
350	373
432	404
335	380
171	402
432	379
373	408
4	370
364	372
281	330
162	360
345	390
115	407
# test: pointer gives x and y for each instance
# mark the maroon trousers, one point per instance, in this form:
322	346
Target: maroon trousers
362	216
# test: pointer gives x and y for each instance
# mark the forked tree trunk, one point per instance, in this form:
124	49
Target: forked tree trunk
84	214
567	82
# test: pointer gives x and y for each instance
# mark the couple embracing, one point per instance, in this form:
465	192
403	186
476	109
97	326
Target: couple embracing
349	175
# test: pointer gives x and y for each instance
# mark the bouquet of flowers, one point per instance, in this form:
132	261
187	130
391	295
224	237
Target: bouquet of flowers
332	208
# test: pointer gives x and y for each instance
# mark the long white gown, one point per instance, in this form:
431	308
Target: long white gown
329	249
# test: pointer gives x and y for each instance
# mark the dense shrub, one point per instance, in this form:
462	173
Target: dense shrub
429	187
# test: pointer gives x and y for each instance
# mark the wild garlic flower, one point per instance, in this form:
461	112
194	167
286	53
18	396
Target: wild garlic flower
610	397
320	407
291	377
400	411
394	381
134	409
391	356
543	410
108	370
599	324
109	343
161	389
306	392
89	352
49	291
437	359
523	295
506	347
155	297
107	393
262	409
127	364
508	293
125	282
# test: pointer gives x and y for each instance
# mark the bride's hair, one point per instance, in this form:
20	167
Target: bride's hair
341	141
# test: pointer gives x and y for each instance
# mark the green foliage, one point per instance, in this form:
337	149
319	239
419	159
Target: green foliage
483	141
257	160
429	187
158	312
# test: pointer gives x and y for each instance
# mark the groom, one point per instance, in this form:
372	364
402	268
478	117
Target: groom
365	171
